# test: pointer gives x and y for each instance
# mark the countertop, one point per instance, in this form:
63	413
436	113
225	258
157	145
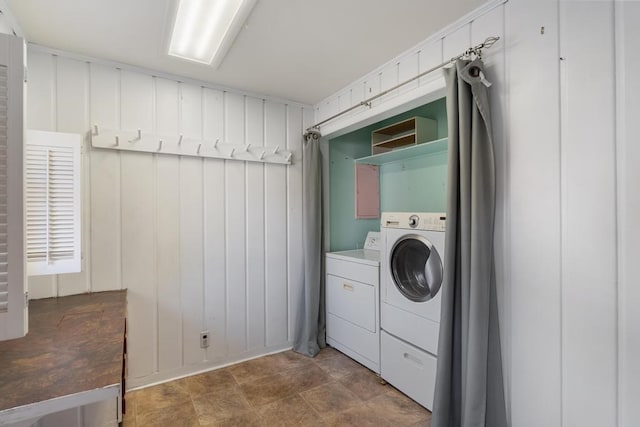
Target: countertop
74	345
362	256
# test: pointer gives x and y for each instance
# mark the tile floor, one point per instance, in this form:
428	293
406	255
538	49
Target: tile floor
284	389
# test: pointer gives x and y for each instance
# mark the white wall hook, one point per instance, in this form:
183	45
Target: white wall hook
276	149
262	155
233	150
289	157
180	140
117	141
137	138
246	148
198	150
95	130
160	146
215	144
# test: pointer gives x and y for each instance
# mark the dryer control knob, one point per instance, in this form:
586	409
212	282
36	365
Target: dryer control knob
413	221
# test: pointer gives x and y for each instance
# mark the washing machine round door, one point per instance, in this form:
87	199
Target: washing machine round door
416	268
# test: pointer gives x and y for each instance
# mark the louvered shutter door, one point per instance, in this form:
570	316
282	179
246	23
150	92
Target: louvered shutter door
4	225
53	202
13	307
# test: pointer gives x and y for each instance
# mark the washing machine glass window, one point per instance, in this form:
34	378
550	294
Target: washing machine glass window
416	268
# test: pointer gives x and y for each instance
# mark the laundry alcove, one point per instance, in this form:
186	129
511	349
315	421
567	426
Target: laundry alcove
414	183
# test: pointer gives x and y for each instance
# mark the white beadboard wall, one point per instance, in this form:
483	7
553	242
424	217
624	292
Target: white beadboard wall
200	244
567	212
627	67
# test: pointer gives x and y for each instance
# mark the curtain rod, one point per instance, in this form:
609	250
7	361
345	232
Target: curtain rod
475	50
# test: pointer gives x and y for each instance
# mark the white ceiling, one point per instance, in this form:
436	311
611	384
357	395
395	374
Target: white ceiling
301	50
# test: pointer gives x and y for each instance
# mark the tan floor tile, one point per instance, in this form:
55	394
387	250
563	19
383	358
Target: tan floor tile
331	398
246	419
182	415
255	369
366	385
289	412
360	416
268	389
290	360
219	405
161	396
339	366
327	353
306	378
398	409
210	382
423	423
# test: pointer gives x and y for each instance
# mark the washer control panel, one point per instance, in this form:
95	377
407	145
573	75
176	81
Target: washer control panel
433	221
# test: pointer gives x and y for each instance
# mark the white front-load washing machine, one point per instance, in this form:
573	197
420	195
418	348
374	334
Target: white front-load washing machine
411	274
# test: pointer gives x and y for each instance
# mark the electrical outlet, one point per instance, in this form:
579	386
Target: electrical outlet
204	339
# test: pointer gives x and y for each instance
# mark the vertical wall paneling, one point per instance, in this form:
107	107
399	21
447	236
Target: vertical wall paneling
357	93
40	96
191	228
408	68
138	260
276	232
168	231
344	100
234	126
430	56
199	243
295	259
534	220
627	15
214	232
457	42
329	108
105	248
191	257
41	101
138	229
72	116
588	162
492	24
388	79
255	238
372	85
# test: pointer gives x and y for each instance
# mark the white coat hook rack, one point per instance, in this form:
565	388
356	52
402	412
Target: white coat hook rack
181	145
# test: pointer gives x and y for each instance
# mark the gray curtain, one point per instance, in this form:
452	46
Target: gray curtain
469	381
310	327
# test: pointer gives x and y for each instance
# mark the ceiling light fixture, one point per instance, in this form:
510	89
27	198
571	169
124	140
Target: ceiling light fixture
204	30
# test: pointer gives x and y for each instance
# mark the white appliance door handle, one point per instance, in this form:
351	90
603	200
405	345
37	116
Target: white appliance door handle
414	359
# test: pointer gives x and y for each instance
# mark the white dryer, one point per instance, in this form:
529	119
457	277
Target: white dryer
411	273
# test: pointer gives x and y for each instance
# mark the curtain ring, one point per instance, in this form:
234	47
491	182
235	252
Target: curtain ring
474	71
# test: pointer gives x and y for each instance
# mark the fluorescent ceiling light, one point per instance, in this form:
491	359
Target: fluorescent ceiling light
204	30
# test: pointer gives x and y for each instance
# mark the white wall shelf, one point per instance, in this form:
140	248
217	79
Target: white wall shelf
128	140
397	155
